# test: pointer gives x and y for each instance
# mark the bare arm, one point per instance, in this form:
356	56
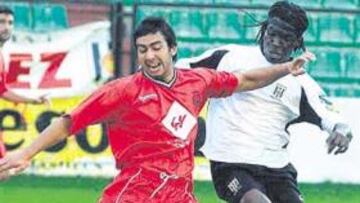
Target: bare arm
16	162
258	78
12	96
54	133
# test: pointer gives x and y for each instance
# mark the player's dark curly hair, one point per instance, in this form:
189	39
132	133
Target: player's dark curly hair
290	13
152	25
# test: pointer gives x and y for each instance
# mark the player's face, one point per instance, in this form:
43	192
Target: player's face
6	26
278	43
155	56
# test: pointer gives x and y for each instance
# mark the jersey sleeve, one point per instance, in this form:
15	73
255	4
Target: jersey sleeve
3	87
314	106
218	83
209	59
98	107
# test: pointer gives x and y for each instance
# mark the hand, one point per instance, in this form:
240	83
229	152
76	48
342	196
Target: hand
340	138
12	164
42	100
296	65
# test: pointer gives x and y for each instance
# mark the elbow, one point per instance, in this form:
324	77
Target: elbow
247	84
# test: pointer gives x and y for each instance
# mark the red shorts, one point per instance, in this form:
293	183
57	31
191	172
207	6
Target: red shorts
2	147
141	185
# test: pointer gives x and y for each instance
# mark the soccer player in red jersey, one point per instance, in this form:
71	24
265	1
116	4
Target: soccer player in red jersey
6	27
151	118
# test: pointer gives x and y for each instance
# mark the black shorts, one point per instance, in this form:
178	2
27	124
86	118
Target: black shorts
233	180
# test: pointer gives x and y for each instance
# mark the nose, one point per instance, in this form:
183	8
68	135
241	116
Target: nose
276	41
149	55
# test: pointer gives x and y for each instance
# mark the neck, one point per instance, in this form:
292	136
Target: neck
165	79
168	78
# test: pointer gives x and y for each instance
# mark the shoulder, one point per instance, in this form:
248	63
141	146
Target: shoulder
122	86
197	72
120	83
203	74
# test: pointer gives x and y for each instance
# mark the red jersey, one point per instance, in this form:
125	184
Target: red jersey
3	87
152	125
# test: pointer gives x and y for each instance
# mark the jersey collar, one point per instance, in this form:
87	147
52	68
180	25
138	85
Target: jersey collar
169	84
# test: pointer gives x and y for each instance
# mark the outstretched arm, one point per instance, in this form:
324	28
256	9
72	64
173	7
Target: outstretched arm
311	105
258	78
12	96
16	162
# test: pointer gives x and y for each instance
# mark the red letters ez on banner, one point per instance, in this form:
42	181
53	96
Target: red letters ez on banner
19	66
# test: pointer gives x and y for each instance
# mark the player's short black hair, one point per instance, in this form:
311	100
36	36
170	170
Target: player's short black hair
152	25
292	14
6	10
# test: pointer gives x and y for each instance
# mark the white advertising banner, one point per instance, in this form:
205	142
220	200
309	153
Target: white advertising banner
65	65
62	63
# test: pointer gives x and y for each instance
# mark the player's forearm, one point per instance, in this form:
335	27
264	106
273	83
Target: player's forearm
13	97
54	133
261	77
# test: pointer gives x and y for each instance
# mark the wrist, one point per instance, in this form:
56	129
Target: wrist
342	129
327	125
27	153
287	67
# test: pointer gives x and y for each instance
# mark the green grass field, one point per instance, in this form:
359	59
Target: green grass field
34	189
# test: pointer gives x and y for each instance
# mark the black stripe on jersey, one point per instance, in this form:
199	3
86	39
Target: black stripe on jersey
307	113
211	62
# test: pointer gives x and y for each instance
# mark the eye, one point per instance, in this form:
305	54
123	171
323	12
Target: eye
270	33
157	47
141	49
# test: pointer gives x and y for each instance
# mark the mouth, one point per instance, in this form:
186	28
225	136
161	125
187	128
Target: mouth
153	69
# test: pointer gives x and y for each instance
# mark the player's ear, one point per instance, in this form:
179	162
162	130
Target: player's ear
298	42
173	50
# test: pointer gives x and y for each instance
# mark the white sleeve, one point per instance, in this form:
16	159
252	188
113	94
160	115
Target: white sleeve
316	105
209	59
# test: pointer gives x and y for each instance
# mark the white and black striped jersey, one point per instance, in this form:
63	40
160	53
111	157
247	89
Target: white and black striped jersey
251	127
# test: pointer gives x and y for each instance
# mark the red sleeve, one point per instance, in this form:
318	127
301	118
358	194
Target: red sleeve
98	107
3	87
219	83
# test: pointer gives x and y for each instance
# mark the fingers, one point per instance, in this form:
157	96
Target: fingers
308	56
46	101
298	63
4	165
341	150
300	71
7	169
338	142
331	147
43	99
4	175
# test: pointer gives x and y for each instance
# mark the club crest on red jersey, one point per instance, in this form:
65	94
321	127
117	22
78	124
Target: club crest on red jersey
179	121
196	98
